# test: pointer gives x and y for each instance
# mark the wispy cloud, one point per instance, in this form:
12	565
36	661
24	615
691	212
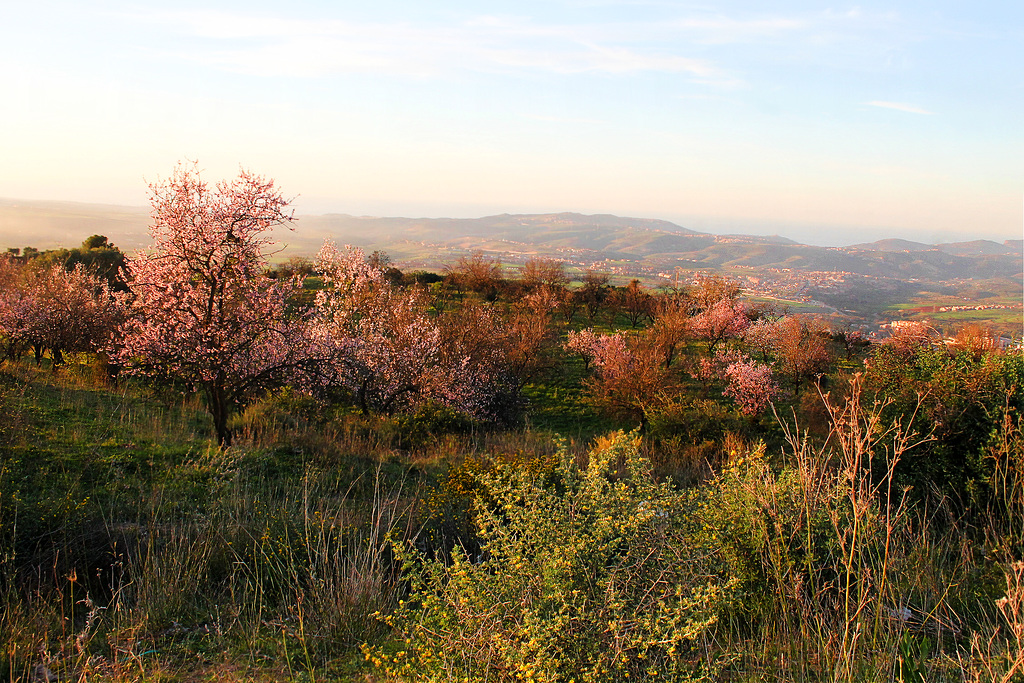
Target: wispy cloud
290	47
273	46
721	29
708	48
899	106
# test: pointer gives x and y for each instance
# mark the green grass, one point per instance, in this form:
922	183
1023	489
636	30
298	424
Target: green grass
994	316
132	546
999	291
560	405
133	549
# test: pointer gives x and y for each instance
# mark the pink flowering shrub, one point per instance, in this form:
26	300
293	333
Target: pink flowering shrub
705	370
724	319
630	379
708	369
389	347
65	311
799	346
394	356
612	356
583	343
17	303
750	384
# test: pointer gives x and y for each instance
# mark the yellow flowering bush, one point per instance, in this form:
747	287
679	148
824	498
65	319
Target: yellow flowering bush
449	505
775	529
581	574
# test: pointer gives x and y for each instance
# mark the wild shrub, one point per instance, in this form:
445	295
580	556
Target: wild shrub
449	507
429	422
774	528
839	577
686	439
281	411
581	576
695	420
960	397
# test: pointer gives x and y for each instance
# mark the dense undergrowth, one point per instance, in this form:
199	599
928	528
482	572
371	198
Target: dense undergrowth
326	545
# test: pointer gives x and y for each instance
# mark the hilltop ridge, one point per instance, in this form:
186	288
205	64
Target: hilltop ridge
971	248
627	245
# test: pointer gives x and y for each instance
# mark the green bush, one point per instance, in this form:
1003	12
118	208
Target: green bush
448	506
962	400
281	411
686	438
583	575
778	531
426	424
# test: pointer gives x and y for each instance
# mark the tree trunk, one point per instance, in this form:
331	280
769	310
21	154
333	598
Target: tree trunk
218	406
361	395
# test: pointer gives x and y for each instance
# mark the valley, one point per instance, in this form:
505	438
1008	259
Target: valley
866	284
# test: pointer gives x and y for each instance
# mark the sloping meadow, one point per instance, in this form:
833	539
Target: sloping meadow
322	547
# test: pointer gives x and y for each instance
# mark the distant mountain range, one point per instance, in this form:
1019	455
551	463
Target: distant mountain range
581	240
972	248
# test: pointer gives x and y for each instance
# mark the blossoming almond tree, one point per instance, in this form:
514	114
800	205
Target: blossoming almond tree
17	302
801	346
203	312
725	318
584	343
492	356
750	384
671	326
76	311
56	309
630	379
389	347
394	356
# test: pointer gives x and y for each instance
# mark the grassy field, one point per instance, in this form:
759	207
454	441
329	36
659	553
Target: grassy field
999	292
1007	322
134	549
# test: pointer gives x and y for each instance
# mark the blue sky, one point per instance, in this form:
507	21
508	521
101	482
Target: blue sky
829	124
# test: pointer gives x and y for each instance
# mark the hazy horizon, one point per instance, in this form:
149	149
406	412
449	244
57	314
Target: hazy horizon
814	235
865	120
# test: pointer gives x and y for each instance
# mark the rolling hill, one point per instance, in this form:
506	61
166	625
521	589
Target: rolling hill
603	241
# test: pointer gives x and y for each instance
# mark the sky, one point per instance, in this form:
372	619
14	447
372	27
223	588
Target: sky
826	123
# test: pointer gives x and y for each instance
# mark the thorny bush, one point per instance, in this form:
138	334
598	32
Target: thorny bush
586	575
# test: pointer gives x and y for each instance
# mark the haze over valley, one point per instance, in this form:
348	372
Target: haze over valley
866	281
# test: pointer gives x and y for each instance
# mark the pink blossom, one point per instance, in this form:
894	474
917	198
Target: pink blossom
56	309
584	343
799	345
750	384
725	319
393	354
202	310
630	379
612	356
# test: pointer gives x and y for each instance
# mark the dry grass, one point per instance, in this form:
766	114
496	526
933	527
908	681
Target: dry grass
264	561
